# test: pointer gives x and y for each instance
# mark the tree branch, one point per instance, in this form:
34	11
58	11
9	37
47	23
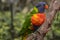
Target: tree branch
41	32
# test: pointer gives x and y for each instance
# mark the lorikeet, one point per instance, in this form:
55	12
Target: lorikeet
35	19
38	19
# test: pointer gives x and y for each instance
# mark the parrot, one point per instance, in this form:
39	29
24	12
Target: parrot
34	20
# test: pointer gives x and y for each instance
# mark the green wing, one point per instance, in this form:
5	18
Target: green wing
27	22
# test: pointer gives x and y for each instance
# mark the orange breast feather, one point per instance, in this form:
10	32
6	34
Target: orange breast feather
38	19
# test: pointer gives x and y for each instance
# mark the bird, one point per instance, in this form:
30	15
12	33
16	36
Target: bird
34	20
39	18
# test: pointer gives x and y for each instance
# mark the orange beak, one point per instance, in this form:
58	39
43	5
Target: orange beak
46	6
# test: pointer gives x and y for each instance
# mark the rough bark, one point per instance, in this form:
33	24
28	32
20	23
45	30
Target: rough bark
41	32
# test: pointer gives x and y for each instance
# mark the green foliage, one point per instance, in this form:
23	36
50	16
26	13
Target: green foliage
5	20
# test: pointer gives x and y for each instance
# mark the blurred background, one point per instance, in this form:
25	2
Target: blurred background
12	17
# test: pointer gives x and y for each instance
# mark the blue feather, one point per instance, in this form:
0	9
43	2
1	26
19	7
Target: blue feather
35	27
40	7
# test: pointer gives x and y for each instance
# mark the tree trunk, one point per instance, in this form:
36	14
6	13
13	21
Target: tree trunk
41	32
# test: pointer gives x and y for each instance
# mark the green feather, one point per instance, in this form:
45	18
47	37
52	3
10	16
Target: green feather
27	23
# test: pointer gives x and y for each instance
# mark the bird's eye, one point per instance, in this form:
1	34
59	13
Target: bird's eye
43	4
39	5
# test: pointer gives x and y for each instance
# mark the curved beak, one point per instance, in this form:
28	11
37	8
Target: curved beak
46	6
